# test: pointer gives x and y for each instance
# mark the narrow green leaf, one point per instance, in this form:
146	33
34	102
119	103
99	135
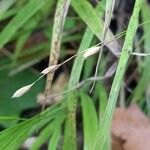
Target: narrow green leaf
9	13
5	5
126	52
144	81
102	98
41	139
10	118
20	19
46	133
12	138
70	127
92	18
55	139
31	24
53	143
90	121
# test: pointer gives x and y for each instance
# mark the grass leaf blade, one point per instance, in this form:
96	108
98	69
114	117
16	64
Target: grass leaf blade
90	121
126	52
20	19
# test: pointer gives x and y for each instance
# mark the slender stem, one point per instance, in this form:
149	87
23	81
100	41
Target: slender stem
108	15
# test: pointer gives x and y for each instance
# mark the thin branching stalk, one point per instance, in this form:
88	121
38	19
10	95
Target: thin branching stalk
108	15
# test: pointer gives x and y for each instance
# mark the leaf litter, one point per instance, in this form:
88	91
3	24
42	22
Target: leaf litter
130	129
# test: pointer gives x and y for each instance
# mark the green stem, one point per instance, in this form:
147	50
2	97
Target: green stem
125	54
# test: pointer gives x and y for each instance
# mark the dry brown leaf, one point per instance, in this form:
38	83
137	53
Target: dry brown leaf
130	129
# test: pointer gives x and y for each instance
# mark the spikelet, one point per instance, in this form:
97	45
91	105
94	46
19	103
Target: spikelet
91	51
50	69
22	91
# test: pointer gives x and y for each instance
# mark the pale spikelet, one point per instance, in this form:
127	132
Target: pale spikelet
50	69
91	51
22	91
141	54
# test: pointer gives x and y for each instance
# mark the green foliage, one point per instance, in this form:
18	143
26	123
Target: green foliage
93	21
90	121
54	140
144	81
15	107
13	137
52	132
71	99
20	19
57	125
70	130
5	5
125	54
